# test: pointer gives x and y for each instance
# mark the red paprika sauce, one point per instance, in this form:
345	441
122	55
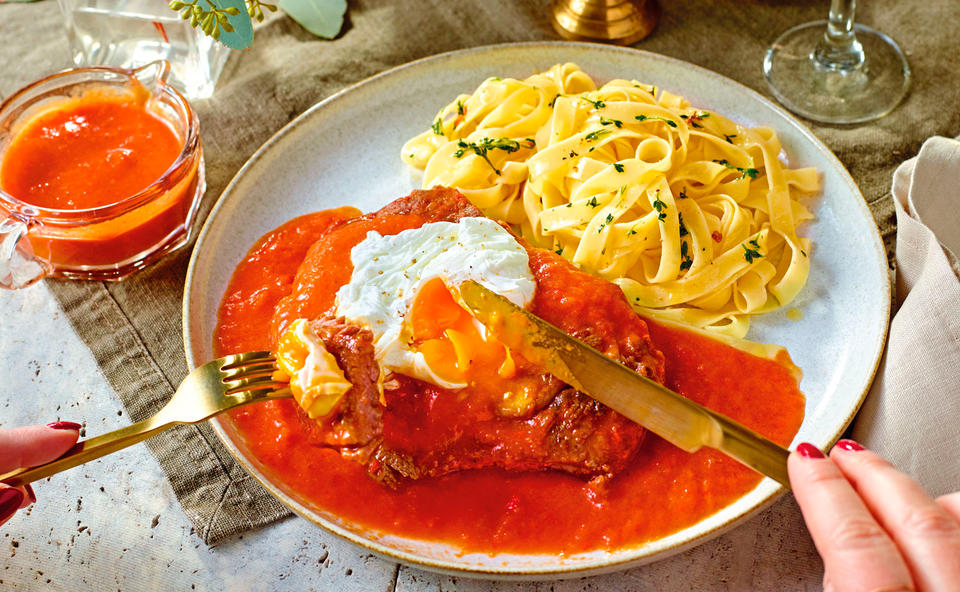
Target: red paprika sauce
91	151
489	510
80	155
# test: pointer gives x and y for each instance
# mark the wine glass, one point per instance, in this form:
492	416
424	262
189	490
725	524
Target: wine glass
835	71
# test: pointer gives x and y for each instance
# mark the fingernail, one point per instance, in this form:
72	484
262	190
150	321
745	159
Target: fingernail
64	425
851	445
808	450
30	493
10	500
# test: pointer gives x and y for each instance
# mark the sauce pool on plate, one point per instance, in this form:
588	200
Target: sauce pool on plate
491	510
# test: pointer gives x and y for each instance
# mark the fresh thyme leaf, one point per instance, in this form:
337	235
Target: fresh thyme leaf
485	145
460	107
598	104
618	166
683	228
669	122
596	135
729	138
606	221
686	262
744	173
593	202
614	122
751	254
437	126
661	207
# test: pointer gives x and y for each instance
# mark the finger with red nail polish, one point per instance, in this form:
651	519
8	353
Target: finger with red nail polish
850	445
64	425
857	553
10	500
925	532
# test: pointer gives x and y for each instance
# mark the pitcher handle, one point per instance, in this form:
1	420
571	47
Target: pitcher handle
19	267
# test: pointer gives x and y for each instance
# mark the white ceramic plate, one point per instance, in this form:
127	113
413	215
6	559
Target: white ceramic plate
345	150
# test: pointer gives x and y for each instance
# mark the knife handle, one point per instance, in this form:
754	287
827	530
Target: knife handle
755	451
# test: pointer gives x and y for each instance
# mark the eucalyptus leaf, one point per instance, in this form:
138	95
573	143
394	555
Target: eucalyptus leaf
323	18
242	34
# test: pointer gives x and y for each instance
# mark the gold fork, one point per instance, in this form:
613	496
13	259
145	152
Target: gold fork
210	389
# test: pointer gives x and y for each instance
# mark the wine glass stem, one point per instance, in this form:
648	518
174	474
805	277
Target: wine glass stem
839	51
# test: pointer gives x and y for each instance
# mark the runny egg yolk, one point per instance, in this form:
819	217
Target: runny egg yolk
450	339
316	380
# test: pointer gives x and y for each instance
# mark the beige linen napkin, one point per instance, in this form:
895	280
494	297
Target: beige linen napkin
912	415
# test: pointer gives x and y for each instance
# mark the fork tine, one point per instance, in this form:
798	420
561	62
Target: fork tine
251	370
251	383
237	360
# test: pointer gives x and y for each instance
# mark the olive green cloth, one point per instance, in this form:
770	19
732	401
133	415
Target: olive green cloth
133	327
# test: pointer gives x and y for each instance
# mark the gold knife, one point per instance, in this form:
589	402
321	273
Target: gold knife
671	416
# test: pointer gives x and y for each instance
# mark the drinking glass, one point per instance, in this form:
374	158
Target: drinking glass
133	33
835	71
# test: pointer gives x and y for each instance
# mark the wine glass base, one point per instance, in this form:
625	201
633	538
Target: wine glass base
836	95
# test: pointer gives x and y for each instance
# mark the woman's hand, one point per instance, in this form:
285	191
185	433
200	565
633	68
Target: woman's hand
875	527
27	447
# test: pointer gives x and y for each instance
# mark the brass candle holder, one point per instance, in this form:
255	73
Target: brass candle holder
613	21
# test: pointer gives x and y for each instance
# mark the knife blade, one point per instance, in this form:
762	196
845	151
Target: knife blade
682	422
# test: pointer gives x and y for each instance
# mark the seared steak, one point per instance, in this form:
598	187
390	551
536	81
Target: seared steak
415	429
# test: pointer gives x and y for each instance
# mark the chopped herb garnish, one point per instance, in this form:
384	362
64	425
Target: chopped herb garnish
751	254
661	207
598	104
482	147
437	126
683	193
802	252
686	261
559	251
461	114
618	166
669	122
606	221
614	122
596	135
593	202
683	228
569	205
631	232
729	138
752	173
696	119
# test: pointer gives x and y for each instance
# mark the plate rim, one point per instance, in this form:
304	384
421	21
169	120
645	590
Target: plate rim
769	492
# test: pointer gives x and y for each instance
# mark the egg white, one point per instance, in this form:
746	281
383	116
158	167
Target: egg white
388	272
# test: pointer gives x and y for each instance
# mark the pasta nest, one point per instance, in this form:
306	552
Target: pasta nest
693	215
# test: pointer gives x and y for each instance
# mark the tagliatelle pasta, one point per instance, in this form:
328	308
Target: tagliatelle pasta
691	214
